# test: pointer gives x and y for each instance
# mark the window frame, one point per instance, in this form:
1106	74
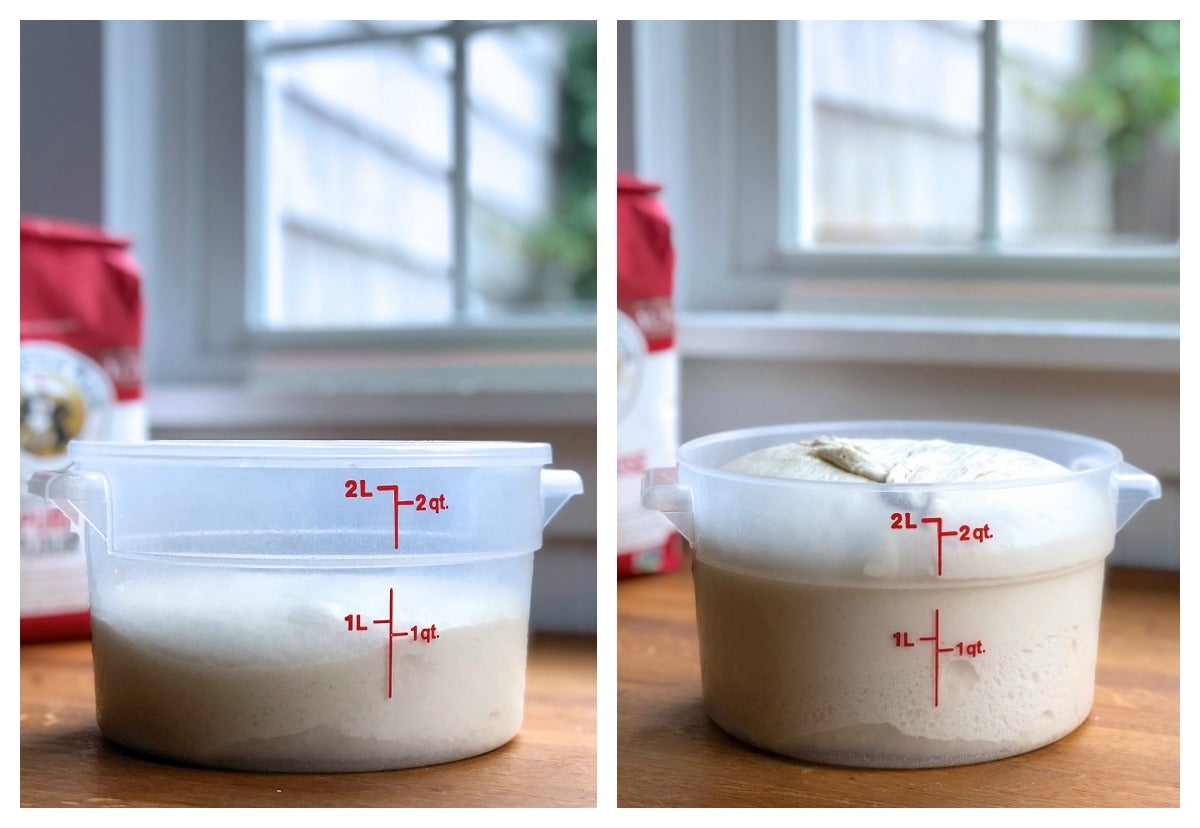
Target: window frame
177	180
709	98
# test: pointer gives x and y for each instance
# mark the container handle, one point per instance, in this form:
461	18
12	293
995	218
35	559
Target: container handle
661	492
81	496
1133	488
558	486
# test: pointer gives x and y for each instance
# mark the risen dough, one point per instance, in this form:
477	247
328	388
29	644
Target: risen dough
892	461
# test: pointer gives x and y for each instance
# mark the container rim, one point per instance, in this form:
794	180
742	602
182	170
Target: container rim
134	546
322	452
1105	456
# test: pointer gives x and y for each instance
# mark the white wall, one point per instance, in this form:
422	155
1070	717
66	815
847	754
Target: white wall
626	145
62	148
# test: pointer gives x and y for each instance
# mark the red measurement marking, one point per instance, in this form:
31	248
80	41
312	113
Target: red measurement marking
392	634
963	648
938	649
389	622
396	504
965	533
940	535
357	488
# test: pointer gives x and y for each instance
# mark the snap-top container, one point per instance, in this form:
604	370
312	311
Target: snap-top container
309	606
899	625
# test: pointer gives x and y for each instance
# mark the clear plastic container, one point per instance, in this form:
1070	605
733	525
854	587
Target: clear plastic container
309	606
899	625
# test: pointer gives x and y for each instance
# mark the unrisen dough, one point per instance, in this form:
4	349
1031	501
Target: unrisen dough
260	671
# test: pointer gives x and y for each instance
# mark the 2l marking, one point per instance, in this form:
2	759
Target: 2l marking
358	488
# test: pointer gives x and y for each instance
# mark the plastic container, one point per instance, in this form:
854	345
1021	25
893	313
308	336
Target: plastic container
309	606
886	625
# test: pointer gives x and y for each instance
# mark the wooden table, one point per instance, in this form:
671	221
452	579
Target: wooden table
552	762
1125	754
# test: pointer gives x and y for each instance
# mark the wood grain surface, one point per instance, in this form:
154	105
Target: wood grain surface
552	761
1125	754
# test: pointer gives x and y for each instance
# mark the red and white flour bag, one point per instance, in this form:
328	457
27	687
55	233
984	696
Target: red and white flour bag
647	375
81	378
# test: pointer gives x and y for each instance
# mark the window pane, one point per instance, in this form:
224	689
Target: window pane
355	173
532	169
277	31
893	115
1089	132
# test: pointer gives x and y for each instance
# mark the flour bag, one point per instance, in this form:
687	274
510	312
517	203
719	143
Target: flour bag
647	375
81	378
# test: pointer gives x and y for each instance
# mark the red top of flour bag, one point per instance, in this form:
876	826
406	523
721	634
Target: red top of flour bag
647	374
80	288
645	260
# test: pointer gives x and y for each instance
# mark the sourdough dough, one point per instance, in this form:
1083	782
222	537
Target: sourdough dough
892	461
814	672
261	671
836	627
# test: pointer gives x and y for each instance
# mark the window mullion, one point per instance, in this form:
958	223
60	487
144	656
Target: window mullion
460	197
795	102
989	189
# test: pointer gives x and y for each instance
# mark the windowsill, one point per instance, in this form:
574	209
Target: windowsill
391	371
939	339
238	406
307	385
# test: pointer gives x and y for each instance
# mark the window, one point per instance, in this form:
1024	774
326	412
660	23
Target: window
383	210
891	166
990	133
422	174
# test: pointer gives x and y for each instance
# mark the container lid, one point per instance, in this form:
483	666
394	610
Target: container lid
317	452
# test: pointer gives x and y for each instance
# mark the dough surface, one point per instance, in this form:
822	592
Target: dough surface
836	459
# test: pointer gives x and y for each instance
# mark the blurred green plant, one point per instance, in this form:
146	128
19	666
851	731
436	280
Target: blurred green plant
569	239
1131	88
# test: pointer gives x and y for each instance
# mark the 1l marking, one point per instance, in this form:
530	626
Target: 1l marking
968	649
417	633
421	502
965	532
